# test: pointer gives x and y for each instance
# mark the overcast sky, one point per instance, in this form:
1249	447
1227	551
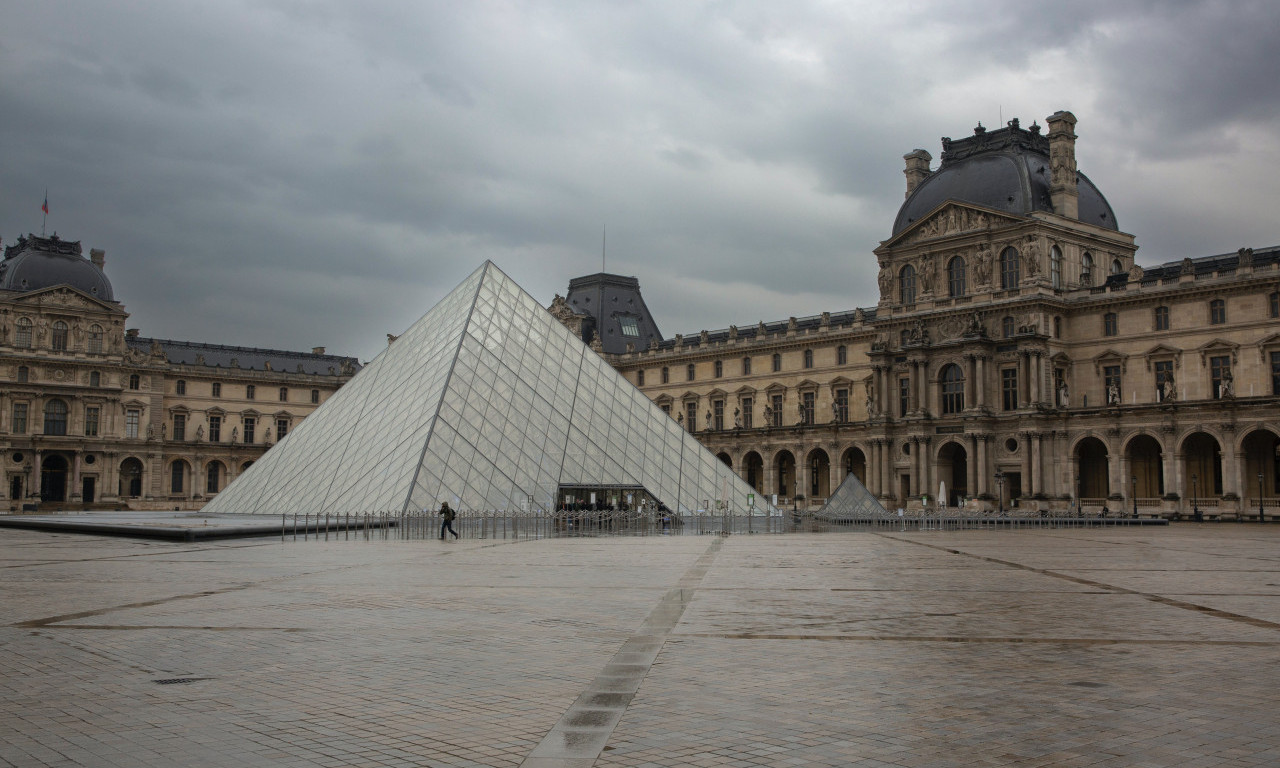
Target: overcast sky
294	174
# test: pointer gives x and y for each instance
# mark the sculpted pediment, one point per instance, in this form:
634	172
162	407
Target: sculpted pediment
950	219
63	297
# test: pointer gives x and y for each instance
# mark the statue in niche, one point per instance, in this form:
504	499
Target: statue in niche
1113	394
1169	388
1031	257
235	434
709	420
928	272
1064	397
768	415
870	386
199	432
737	418
982	265
680	418
1226	385
886	281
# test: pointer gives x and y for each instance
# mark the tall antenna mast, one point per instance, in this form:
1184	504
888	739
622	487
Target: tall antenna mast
604	243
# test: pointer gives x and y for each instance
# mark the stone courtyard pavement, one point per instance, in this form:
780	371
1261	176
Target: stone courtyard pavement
1086	647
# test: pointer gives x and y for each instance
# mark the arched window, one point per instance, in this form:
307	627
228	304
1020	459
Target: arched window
1006	326
1086	270
777	362
177	473
213	477
59	340
180	387
1110	324
952	389
1009	271
135	381
22	332
1116	267
842	355
1055	267
95	339
956	285
907	285
808	358
688	372
666	375
55	418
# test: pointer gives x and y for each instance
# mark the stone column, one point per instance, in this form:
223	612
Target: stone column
75	478
981	380
1037	465
1028	485
882	392
971	475
1233	465
922	372
886	468
915	466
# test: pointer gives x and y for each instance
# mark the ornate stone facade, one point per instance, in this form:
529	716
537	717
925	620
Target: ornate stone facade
94	416
1017	355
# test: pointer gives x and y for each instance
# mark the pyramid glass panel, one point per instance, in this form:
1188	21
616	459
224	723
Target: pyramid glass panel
486	402
852	501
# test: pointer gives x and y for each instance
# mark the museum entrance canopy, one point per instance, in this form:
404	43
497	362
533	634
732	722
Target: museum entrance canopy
486	402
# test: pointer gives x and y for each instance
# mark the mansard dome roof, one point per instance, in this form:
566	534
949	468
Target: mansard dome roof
1005	169
43	262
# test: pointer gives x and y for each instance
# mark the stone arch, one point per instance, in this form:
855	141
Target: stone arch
1145	457
753	470
1202	464
784	473
819	465
215	477
953	470
854	461
55	471
1258	449
131	470
726	458
1092	463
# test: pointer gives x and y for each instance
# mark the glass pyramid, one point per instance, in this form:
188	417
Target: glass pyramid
489	403
851	501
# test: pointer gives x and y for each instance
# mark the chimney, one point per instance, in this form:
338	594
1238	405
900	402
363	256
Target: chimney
317	350
1063	191
98	257
131	333
917	169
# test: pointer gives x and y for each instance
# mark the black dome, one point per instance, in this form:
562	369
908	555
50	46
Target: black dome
1007	170
42	262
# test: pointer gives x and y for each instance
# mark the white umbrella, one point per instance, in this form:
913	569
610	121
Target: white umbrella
942	493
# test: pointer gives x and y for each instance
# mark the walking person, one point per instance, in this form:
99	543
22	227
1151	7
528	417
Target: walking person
446	520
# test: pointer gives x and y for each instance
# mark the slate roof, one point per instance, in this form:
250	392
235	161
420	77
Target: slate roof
246	358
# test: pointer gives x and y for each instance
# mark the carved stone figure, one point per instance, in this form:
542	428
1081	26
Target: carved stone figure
873	407
708	419
560	308
235	435
1113	394
768	415
886	281
1031	257
1226	385
982	265
737	418
679	418
1246	257
200	433
151	432
1170	388
1064	397
928	273
1188	267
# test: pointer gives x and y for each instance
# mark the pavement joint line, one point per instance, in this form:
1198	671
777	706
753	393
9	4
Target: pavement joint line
959	639
1171	602
583	731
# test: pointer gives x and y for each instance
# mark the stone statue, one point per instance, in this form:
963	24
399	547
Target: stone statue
886	281
1064	397
768	415
200	433
266	437
1031	257
737	418
151	432
1170	388
835	412
708	419
982	265
679	420
235	434
1226	385
928	272
1246	257
800	413
870	385
1113	394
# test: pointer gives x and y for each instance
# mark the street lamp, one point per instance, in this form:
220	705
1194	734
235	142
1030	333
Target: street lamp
1000	491
1195	497
1261	519
1134	486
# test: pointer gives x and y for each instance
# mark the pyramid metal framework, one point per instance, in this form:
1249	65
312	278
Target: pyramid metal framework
487	402
853	501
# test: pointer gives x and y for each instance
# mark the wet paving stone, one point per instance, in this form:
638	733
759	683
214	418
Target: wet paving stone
1028	648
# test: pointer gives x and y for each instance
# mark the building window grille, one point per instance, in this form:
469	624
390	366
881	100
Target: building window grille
132	417
666	375
181	387
250	392
904	396
250	424
59	339
777	411
907	285
95	340
748	404
1110	324
282	428
1009	389
91	418
1086	270
777	362
55	418
22	333
216	390
746	366
956	284
284	394
639	378
691	416
1116	267
1220	373
1275	373
1162	318
808	358
630	325
19	418
179	426
177	473
135	381
1055	267
842	355
952	389
315	397
1217	312
1273	303
1009	269
807	402
215	429
212	478
688	372
719	369
95	379
1006	326
842	406
24	374
717	414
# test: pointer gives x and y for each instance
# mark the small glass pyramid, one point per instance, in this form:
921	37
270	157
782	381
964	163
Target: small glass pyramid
489	403
851	501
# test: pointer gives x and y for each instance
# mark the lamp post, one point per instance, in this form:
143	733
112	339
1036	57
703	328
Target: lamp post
1261	519
1133	480
1195	498
26	482
1000	491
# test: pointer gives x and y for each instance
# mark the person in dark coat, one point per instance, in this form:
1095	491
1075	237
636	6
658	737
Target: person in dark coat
446	520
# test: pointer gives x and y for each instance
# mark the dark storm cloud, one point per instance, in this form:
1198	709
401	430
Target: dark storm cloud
295	174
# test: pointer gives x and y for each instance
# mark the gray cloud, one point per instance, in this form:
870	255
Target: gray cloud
300	174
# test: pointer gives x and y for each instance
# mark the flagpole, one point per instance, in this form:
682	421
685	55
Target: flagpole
45	208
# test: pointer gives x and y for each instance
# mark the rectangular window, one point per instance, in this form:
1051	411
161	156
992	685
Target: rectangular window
630	325
1273	304
691	416
1275	373
284	394
131	419
1217	312
904	396
640	378
777	410
1164	377
1162	318
250	392
315	397
746	366
1111	383
249	424
282	428
180	387
666	408
747	406
717	413
807	402
1109	324
215	429
842	406
719	369
22	334
91	422
20	418
1009	389
1220	373
179	426
176	476
217	389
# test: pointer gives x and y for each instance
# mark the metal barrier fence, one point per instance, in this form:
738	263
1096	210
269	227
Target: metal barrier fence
475	524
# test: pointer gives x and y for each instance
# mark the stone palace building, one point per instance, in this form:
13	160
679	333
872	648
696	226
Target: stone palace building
1017	356
92	415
